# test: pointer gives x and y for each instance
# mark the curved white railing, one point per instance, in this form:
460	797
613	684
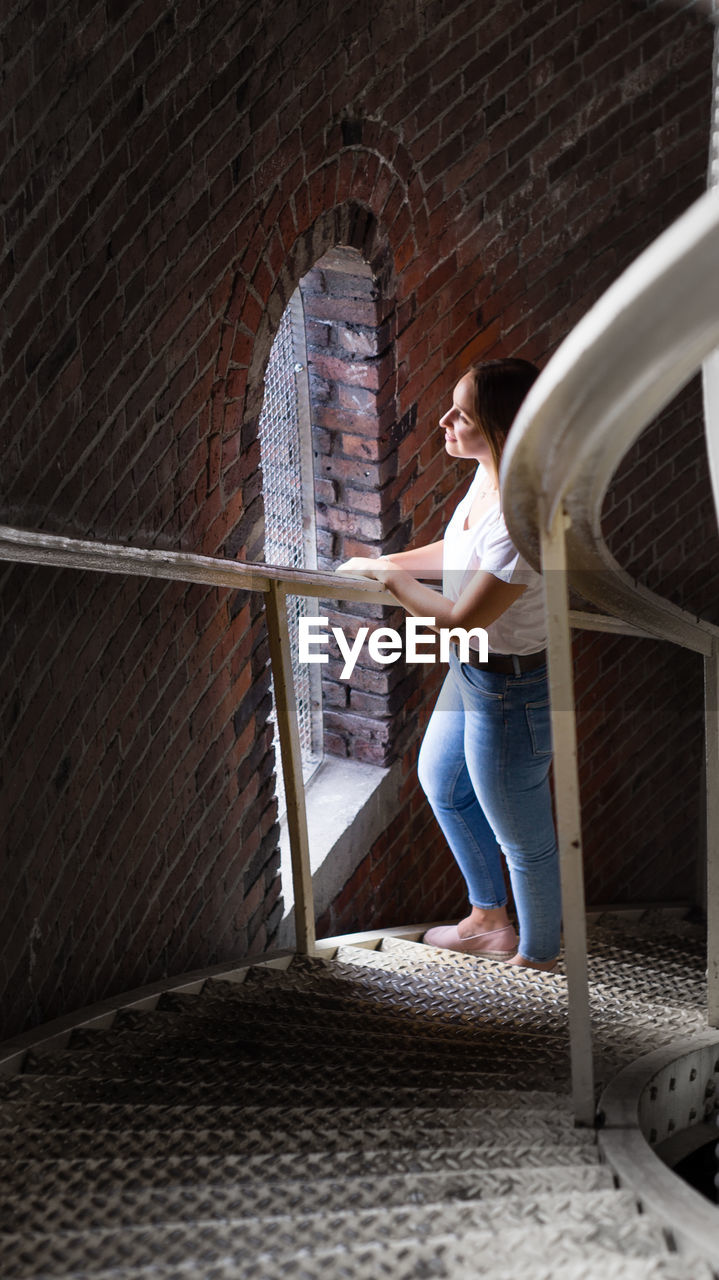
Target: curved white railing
634	350
642	341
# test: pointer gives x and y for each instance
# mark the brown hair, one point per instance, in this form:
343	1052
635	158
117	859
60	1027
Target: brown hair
499	389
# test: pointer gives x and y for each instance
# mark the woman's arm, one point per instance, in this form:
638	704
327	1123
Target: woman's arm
480	604
423	562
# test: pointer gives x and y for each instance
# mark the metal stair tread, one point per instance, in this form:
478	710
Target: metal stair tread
276	1165
318	1018
443	965
606	1267
134	1062
351	970
61	1210
375	995
29	1143
626	1032
608	957
599	1266
553	1109
442	1255
378	1022
613	1022
258	1092
447	973
307	1012
358	991
210	1241
358	1065
314	1092
375	1004
456	989
215	1070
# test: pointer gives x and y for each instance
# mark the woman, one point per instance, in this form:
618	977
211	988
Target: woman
485	758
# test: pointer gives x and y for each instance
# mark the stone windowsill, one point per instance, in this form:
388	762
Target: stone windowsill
349	804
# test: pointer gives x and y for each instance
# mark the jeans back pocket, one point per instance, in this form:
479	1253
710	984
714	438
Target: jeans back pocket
540	727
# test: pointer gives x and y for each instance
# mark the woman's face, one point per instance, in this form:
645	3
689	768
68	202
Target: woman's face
462	437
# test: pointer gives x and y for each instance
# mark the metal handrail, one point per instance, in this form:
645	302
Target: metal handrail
29	546
621	364
648	334
275	583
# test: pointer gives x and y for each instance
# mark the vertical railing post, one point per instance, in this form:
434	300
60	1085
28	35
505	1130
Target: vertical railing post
711	740
289	734
566	788
710	384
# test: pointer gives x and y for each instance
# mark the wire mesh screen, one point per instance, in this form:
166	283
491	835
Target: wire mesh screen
714	140
286	456
280	446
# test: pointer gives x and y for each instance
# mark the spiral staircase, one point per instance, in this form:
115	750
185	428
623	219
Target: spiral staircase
373	1107
385	1109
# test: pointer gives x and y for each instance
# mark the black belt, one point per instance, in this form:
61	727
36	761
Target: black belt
508	664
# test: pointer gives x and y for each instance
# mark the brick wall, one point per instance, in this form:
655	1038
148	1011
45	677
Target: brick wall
170	174
350	321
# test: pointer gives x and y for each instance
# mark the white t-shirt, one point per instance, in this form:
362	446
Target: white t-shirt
487	546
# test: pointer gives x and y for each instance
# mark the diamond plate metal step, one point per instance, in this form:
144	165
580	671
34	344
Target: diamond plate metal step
376	1002
391	1112
337	1023
302	1012
661	988
315	1091
667	963
214	1074
61	1208
503	1109
158	1168
345	982
403	1259
398	1139
672	976
604	1215
180	1035
525	1109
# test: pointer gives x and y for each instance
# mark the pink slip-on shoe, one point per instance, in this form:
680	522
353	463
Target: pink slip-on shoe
497	944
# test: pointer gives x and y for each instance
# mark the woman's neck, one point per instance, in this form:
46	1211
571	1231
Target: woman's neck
487	478
485	499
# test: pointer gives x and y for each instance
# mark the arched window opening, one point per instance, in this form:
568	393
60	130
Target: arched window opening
329	433
330	492
289	499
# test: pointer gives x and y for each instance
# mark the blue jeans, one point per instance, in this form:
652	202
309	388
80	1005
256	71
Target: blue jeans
484	767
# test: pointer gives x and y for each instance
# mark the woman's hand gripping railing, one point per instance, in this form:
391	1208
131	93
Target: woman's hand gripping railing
275	583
